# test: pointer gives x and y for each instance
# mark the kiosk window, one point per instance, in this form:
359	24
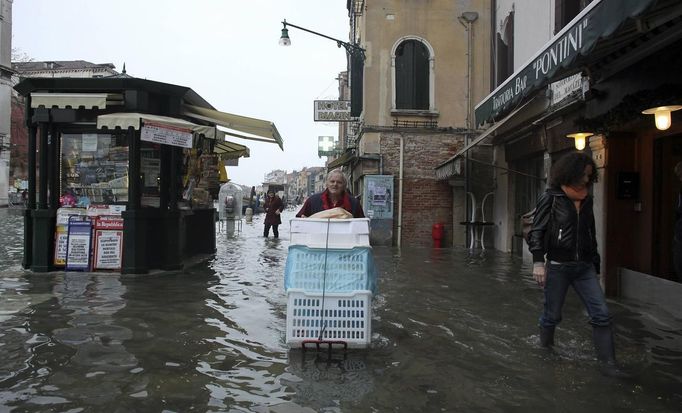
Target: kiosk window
93	169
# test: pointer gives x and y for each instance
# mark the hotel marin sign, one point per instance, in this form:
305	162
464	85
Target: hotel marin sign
598	20
332	111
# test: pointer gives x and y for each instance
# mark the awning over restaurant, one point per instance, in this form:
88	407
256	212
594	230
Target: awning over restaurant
451	167
262	130
600	19
69	100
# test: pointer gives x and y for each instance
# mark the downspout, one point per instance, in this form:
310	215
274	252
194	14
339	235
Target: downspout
467	19
400	191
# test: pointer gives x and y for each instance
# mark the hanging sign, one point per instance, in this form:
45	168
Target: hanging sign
78	244
166	134
332	111
108	242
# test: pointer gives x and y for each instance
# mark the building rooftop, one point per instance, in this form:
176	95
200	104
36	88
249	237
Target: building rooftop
50	65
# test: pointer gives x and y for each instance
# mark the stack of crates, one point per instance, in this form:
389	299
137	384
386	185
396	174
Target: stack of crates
329	280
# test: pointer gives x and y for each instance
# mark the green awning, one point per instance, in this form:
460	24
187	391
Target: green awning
600	19
344	159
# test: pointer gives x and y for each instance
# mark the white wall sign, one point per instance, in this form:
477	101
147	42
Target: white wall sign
166	134
565	87
332	111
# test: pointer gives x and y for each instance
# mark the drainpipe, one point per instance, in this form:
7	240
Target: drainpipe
466	19
400	191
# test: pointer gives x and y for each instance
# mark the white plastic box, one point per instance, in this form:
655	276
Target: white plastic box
345	317
336	270
331	233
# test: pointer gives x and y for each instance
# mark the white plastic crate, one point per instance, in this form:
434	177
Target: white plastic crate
335	270
345	317
343	233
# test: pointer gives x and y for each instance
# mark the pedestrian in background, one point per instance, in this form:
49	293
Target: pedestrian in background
336	195
273	208
564	247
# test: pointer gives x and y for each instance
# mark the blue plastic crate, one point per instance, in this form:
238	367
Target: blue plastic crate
330	270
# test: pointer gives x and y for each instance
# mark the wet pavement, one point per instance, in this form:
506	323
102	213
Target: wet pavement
452	331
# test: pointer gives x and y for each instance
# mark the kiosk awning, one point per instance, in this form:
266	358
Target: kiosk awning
600	19
134	120
69	100
262	130
231	150
227	149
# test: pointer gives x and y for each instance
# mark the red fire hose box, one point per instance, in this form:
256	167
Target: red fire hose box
437	233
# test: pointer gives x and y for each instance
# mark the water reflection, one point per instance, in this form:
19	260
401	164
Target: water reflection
451	331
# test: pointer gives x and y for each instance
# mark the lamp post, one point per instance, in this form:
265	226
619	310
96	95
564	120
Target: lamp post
352	48
356	66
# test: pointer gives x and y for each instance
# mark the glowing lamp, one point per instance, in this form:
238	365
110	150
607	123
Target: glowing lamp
580	139
662	115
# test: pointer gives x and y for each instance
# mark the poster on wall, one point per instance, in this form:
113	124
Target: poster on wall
378	196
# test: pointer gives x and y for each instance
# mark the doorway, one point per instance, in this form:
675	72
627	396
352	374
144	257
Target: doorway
667	186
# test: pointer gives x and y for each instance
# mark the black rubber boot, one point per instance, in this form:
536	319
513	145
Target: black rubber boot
547	337
606	352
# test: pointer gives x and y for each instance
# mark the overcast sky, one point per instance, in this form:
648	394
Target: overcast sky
225	50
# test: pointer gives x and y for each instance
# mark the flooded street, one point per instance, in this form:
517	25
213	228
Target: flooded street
452	332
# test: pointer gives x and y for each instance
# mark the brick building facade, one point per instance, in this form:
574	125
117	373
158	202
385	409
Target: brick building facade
425	200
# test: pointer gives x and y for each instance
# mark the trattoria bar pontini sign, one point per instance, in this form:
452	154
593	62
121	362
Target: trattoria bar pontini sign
598	20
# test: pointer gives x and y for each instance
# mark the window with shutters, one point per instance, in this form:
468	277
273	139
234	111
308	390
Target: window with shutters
412	76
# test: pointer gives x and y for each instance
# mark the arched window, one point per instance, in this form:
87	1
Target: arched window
412	69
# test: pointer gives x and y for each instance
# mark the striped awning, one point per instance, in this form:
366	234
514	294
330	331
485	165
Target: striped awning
69	100
125	120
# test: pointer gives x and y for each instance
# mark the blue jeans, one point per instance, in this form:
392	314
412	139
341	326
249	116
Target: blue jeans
583	277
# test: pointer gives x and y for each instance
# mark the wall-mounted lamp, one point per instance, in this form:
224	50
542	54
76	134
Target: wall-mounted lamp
580	139
351	48
284	40
662	115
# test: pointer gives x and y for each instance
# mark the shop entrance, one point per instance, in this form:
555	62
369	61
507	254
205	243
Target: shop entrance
667	186
527	187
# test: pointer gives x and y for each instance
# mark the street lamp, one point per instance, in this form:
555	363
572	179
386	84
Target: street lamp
662	115
357	63
580	139
351	48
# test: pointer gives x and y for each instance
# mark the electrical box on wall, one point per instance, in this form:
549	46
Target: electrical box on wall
627	185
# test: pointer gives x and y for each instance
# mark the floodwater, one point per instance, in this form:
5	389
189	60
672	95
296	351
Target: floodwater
451	332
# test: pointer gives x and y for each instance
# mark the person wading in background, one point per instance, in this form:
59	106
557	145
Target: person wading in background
564	247
273	208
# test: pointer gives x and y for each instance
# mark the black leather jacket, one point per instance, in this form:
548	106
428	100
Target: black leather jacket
561	232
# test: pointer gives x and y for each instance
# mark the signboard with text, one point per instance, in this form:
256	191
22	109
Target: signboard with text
597	20
332	111
78	244
166	134
108	243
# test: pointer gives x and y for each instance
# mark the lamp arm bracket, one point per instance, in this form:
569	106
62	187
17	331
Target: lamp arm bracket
351	48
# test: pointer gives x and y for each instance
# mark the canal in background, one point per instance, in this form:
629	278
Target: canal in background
452	331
